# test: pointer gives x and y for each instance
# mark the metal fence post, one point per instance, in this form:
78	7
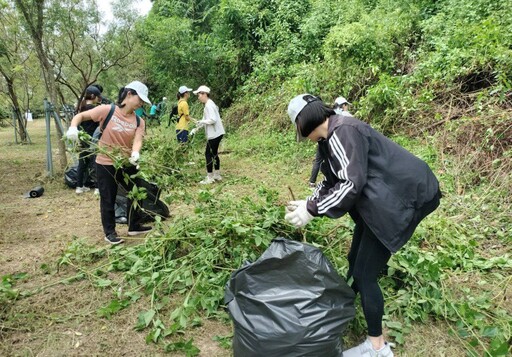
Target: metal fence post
15	125
49	160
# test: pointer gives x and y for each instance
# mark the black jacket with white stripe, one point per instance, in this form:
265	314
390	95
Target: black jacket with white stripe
390	188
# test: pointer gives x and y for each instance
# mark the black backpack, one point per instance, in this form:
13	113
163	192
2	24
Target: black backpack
174	114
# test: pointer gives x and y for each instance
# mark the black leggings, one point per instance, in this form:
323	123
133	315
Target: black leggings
108	178
85	157
367	259
212	154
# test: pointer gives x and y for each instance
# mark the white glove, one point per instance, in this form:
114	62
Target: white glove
134	158
72	133
297	213
193	131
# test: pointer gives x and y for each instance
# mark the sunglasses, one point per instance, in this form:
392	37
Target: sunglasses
336	106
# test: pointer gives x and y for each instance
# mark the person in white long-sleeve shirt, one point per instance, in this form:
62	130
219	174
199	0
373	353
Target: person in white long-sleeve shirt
214	132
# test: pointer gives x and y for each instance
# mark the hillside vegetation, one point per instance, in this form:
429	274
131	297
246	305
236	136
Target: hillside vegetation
425	68
435	76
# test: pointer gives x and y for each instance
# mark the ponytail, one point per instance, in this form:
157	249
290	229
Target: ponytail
123	92
83	103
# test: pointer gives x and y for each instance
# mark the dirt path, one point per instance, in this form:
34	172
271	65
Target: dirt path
62	319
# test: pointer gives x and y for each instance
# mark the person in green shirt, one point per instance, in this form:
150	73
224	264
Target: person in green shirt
152	113
141	113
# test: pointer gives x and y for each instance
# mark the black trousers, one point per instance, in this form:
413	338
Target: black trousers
108	177
84	160
212	154
367	259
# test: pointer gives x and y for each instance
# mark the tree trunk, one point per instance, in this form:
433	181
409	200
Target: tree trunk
16	107
32	12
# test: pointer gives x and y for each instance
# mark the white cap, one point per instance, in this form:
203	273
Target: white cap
295	107
164	98
184	89
341	101
141	89
204	89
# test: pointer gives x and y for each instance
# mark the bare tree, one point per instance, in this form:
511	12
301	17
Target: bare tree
11	57
33	13
81	55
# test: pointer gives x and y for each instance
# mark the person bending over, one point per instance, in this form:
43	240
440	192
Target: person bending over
385	189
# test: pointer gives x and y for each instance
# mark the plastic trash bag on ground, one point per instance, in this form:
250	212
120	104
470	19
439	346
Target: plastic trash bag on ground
291	302
152	206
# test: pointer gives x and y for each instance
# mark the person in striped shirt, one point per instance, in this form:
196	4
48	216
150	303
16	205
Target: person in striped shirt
385	189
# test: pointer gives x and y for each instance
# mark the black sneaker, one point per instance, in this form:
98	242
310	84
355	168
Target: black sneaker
112	239
139	230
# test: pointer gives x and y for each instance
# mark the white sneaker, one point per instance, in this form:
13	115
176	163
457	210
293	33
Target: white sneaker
217	176
96	191
365	349
207	180
82	189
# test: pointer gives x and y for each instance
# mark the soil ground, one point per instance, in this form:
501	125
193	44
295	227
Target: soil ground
61	319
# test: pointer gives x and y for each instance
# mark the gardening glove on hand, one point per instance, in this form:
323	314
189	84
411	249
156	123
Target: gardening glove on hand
72	133
297	213
193	131
134	158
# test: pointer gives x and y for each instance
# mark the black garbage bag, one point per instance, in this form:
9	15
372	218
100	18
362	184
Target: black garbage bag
152	205
120	209
291	302
71	174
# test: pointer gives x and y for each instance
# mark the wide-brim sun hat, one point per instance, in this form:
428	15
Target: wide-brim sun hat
141	89
184	89
295	107
202	89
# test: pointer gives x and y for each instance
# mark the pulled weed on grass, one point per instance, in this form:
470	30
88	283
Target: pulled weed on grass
456	268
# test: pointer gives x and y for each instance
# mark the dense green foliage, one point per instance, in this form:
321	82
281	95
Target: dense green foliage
436	75
391	58
415	67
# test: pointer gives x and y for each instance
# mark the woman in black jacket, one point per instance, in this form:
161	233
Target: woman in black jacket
386	190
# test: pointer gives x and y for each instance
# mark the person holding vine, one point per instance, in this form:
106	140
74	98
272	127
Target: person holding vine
121	136
386	190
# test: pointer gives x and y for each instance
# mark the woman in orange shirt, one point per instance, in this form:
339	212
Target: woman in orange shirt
122	136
